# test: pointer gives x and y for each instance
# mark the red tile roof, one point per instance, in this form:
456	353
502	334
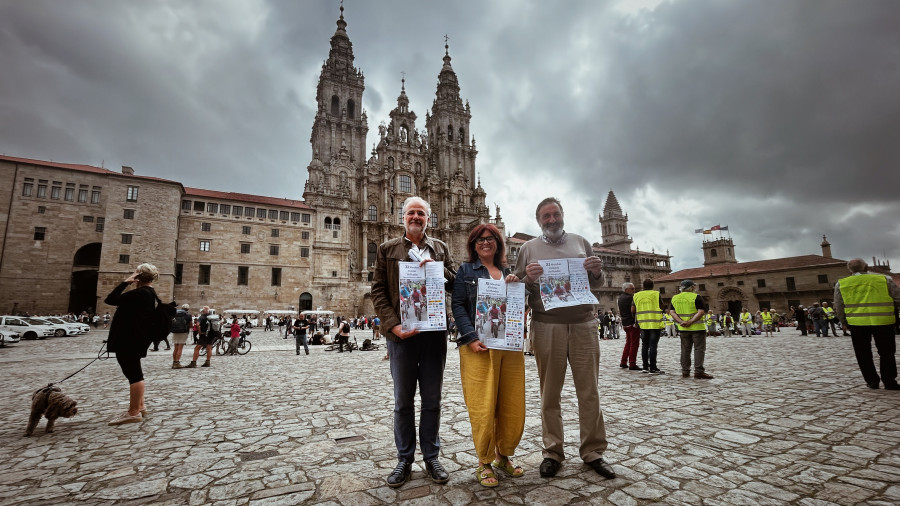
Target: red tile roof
198	192
759	266
79	168
244	197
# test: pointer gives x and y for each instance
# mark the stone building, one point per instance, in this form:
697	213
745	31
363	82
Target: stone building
729	285
74	231
621	263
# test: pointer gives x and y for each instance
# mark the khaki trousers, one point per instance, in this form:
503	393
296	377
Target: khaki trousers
557	345
493	384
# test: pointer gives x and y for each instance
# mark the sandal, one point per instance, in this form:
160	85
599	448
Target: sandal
508	467
486	473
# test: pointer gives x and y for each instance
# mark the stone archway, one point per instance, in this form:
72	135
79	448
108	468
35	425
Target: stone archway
306	302
731	298
83	283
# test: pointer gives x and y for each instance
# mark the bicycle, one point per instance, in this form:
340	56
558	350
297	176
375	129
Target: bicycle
241	348
217	342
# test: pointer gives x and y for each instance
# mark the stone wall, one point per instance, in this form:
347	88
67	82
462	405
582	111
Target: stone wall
35	275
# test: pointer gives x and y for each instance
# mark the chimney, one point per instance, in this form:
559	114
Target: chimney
826	247
127	170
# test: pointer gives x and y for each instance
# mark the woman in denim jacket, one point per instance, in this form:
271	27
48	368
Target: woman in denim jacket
493	381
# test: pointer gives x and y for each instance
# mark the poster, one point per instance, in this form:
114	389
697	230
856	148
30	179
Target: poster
422	298
500	314
565	283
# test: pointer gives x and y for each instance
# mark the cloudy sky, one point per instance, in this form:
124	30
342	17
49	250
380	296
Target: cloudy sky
778	119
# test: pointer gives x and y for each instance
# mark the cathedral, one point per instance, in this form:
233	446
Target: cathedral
359	198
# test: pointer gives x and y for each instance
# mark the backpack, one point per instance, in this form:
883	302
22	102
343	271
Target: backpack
161	322
179	325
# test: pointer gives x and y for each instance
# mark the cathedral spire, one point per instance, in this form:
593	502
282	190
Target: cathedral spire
448	85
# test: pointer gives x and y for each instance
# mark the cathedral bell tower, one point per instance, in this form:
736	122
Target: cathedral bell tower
448	126
339	129
615	225
338	157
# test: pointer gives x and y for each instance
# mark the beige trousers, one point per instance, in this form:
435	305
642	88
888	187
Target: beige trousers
557	346
493	384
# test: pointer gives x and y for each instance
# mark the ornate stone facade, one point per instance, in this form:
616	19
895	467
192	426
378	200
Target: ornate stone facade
360	199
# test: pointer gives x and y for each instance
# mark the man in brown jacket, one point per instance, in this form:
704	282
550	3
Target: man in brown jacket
416	357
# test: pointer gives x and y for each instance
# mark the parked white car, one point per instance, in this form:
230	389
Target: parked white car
8	337
72	328
25	328
59	329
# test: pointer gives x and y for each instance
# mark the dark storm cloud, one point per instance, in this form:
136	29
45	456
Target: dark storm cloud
776	118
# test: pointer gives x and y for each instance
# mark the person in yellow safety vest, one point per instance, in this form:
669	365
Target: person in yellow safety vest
767	322
746	321
831	318
711	324
648	317
670	325
687	309
866	306
727	323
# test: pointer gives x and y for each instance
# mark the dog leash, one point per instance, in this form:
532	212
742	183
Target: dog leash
99	356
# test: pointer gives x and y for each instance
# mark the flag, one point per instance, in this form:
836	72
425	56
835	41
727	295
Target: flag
715	227
724	228
698	230
707	231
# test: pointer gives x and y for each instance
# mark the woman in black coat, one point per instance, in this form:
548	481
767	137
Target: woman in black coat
128	335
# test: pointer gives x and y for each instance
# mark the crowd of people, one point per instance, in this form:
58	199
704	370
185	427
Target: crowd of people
562	339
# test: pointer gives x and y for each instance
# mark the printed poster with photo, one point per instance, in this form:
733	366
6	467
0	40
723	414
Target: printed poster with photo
500	314
565	283
422	297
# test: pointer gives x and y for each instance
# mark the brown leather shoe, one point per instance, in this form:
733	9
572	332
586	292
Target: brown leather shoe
702	376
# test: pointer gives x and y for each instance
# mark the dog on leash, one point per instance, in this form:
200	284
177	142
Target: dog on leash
51	403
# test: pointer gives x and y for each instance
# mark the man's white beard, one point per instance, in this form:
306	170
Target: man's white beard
553	233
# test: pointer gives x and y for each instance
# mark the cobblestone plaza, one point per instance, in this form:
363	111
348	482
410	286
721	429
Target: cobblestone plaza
787	420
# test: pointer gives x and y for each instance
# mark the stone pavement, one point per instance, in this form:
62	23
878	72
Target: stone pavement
787	420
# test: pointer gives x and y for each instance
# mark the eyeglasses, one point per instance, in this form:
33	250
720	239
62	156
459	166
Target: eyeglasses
481	240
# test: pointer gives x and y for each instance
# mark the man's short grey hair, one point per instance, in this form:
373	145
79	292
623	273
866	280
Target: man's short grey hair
415	199
857	265
205	310
546	201
626	286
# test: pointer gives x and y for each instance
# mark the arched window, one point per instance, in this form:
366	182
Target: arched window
351	109
371	253
337	224
335	105
373	213
434	220
462	136
327	223
405	183
449	132
713	253
391	163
